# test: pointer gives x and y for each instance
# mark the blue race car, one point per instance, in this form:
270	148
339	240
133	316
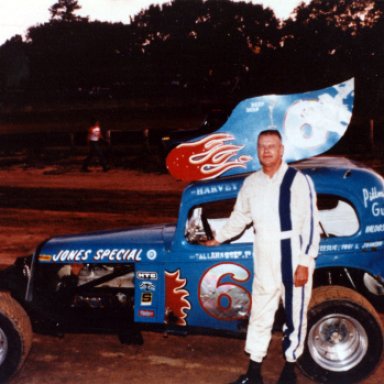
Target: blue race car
163	278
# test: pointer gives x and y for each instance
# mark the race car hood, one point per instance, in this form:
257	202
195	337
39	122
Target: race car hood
126	245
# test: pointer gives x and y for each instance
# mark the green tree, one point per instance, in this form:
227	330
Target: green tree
329	41
78	55
14	63
323	42
64	10
208	46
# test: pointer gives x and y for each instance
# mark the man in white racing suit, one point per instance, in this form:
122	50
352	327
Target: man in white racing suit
280	202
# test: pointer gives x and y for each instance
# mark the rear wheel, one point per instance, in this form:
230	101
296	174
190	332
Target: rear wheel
15	336
344	339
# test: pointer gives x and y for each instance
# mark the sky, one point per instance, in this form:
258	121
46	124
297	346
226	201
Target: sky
16	16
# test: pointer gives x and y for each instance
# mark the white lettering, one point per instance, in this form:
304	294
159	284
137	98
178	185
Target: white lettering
370	195
374	244
374	228
72	255
215	189
118	254
377	210
111	255
254	106
329	248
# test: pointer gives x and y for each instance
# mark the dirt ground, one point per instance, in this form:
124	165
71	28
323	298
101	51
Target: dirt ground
36	203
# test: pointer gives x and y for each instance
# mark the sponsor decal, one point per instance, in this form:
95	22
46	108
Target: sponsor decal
72	255
374	228
146	298
214	189
146	275
370	197
254	106
45	258
228	255
339	247
103	255
146	313
329	248
118	255
373	245
147	286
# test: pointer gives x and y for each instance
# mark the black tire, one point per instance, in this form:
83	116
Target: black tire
345	337
15	336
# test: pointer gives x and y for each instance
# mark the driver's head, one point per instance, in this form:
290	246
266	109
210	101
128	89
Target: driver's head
270	148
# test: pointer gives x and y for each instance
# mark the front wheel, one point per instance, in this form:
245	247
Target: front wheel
344	339
15	336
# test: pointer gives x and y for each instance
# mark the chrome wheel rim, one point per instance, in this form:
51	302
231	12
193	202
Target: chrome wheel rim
337	342
3	346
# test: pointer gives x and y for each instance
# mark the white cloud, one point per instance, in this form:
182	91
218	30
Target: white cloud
114	10
18	15
282	8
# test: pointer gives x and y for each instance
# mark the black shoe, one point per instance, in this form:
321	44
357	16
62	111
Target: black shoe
244	379
288	374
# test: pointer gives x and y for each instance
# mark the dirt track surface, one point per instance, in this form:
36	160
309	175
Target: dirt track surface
39	203
35	204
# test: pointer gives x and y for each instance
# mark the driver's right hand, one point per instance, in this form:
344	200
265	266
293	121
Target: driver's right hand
210	243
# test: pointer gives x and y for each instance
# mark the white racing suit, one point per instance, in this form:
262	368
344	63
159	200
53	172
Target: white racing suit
285	219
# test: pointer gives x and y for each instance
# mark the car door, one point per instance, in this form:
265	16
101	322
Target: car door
213	283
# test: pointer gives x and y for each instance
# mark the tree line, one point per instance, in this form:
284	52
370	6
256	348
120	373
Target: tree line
201	49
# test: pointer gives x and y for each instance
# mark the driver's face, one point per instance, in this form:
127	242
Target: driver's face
270	150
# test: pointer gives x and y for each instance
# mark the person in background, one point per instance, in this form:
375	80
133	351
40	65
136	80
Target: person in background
94	140
280	202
